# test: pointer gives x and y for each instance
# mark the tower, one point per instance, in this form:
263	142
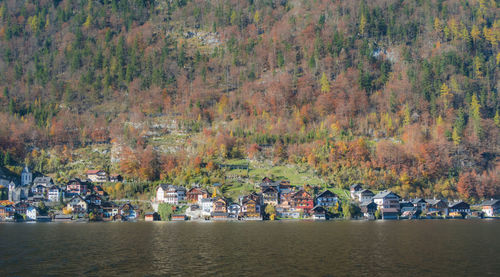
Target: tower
12	192
26	177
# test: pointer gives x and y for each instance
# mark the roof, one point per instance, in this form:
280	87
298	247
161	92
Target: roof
93	171
367	203
25	170
418	200
354	186
456	203
327	193
270	190
433	201
384	194
491	202
219	214
43	179
366	192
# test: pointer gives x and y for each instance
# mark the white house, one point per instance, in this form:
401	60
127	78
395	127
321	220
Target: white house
54	194
170	194
387	199
26	177
491	207
364	195
207	206
31	213
97	176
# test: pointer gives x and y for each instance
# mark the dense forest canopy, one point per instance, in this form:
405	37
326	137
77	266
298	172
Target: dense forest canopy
395	94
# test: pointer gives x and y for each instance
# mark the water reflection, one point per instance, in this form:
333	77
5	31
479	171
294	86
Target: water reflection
343	248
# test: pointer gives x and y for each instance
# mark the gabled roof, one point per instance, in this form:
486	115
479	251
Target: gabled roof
94	171
77	196
270	190
367	203
434	201
491	202
418	200
385	194
356	186
456	203
366	192
42	179
326	193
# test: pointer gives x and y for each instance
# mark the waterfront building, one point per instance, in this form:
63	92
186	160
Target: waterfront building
491	207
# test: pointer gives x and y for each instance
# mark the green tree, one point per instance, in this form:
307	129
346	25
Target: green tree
270	211
350	210
475	115
325	84
496	119
165	211
378	214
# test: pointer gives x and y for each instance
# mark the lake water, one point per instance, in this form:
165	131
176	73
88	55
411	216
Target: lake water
305	248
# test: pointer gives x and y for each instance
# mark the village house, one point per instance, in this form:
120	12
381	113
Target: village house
458	208
31	213
21	207
152	216
387	200
250	207
234	210
97	176
7	212
54	194
390	213
436	207
220	209
302	200
77	205
170	194
109	210
220	205
94	199
420	204
286	208
194	195
43	181
207	206
115	178
354	189
368	209
319	212
364	195
128	211
491	207
39	190
76	187
327	199
270	196
97	189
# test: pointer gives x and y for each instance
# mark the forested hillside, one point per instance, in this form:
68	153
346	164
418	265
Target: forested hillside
391	93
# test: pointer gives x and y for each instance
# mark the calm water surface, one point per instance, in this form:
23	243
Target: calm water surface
340	248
